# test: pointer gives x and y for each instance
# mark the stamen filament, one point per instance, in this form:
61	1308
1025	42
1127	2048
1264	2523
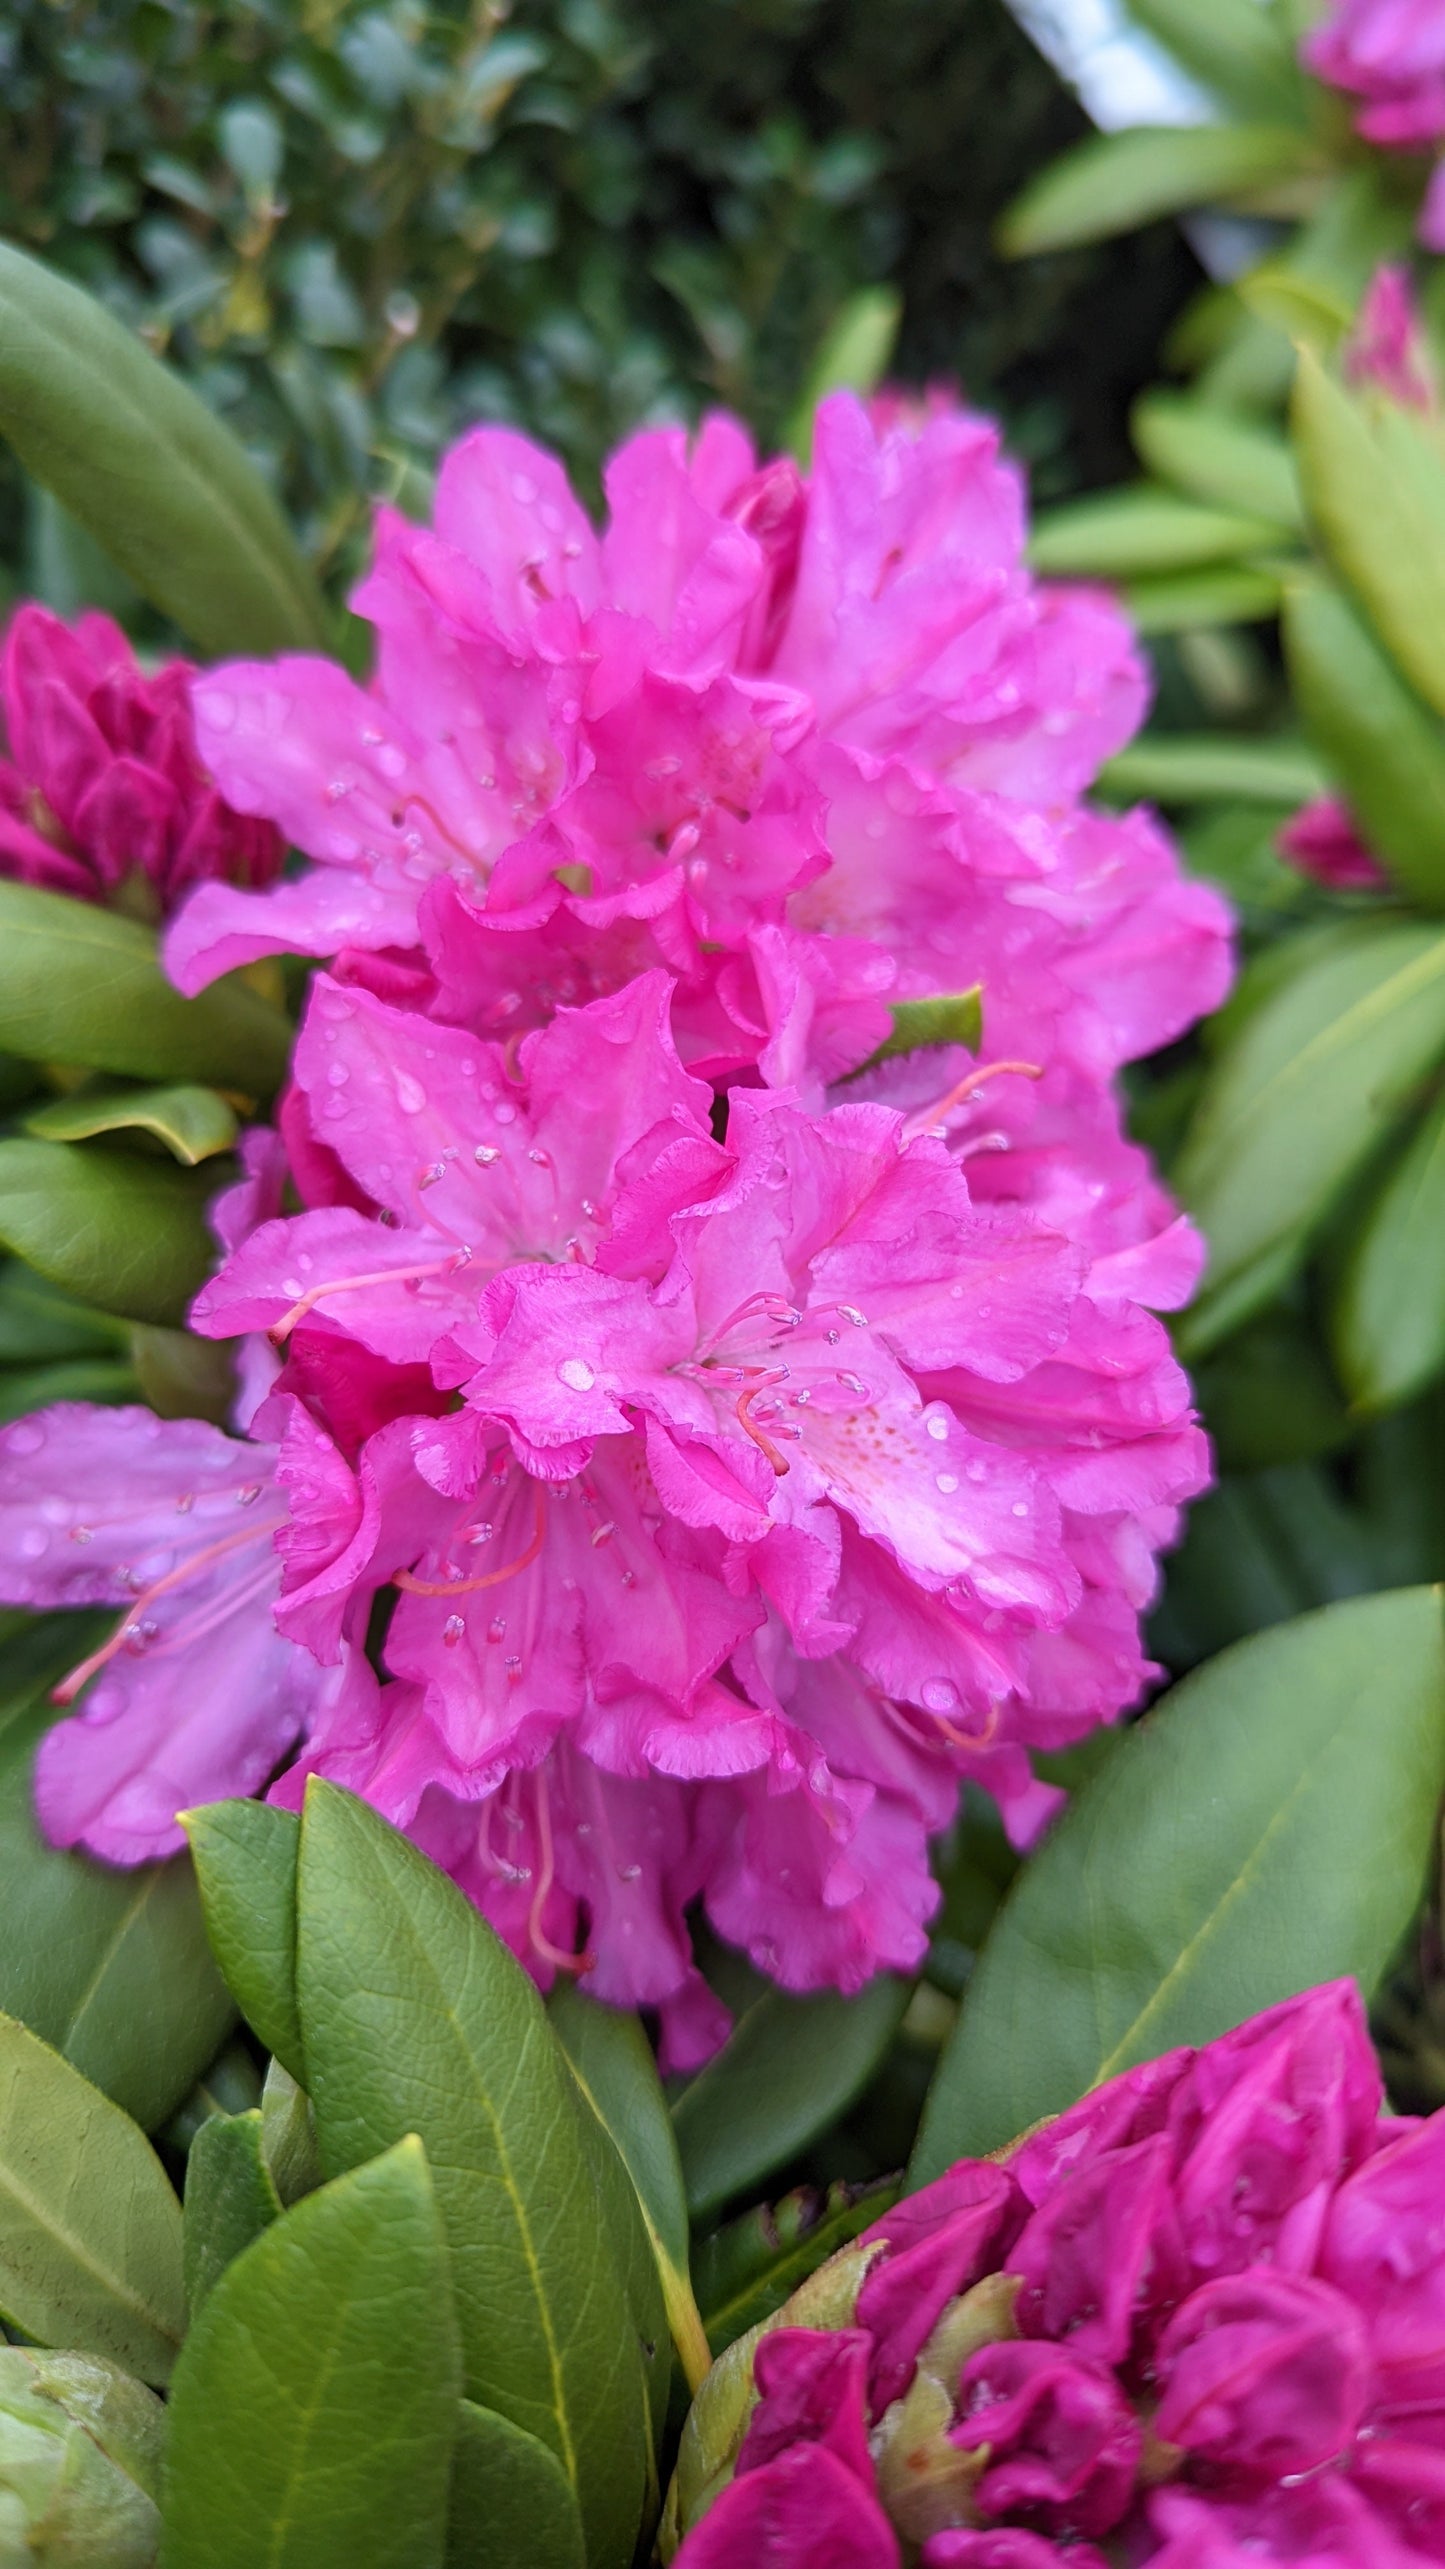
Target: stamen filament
540	1943
70	1686
281	1329
964	1088
764	1443
490	1578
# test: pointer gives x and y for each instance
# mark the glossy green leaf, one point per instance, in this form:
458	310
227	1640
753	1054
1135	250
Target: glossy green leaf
1267	1826
510	2499
1216	456
620	2222
193	1123
789	2068
182	1376
230	2199
748	2270
1132	533
112	1968
1215	767
1386	747
1192	601
125	1233
230	2084
37	1322
82	985
313	2410
1374	485
245	1856
853	358
613	2065
90	2229
1309	1087
1114	182
1389	1317
1236	48
1309	310
415	2018
153	475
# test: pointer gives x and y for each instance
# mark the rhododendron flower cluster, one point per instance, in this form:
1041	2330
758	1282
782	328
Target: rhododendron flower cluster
1390	54
691	1431
102	793
1196	2320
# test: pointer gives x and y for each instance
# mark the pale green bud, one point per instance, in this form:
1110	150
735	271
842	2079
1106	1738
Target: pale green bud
80	2449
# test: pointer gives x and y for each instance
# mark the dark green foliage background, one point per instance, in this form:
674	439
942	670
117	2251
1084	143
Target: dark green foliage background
359	227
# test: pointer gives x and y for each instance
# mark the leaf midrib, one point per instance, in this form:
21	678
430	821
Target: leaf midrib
1304	1784
45	2221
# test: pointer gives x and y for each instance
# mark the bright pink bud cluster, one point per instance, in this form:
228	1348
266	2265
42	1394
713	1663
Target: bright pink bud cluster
1391	55
746	1439
101	786
1198	2320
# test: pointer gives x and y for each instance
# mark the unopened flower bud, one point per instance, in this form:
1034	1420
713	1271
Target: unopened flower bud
80	2448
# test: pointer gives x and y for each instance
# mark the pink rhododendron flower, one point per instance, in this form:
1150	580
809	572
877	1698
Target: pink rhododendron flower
197	1694
802	745
749	1444
1390	54
102	791
1290	2408
1323	842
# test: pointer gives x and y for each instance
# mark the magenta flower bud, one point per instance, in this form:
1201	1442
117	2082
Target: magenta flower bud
1063	2444
102	785
938	2243
1007	2546
811	2389
1269	2120
1128	2109
1323	842
1103	2255
1388	346
1264	2374
805	2509
1384	2245
1390	54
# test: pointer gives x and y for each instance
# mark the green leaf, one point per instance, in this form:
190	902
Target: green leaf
1309	1087
127	1234
1214	767
853	357
415	2018
37	1322
193	1123
1236	48
919	1025
1216	456
1194	600
82	985
140	461
748	2270
90	2229
1268	1826
314	2406
1128	534
1389	1317
111	1968
231	2198
613	2065
1307	309
790	2067
97	1378
1113	182
1374	485
288	2135
245	1856
1386	748
510	2501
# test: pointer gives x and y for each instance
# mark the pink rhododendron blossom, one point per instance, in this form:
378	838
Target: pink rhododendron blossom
1283	2404
1390	54
801	745
197	1694
749	1444
1323	841
102	791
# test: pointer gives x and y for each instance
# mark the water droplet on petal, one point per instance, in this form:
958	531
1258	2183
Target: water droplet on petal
485	1153
938	1695
937	1425
24	1437
576	1373
947	1482
453	1629
410	1095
